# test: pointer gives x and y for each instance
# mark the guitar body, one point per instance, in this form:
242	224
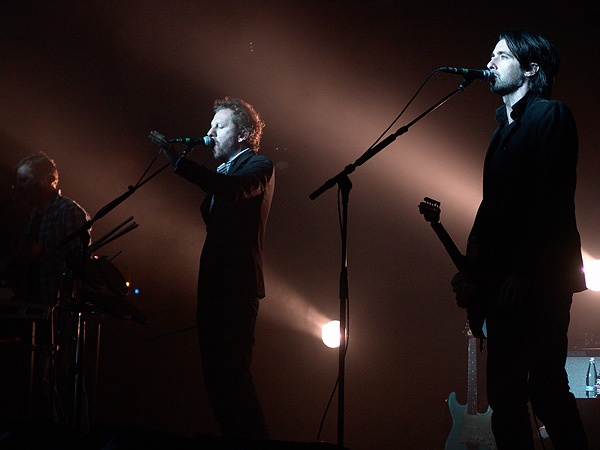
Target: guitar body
469	431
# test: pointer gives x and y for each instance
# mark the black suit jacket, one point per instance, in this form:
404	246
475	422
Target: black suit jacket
231	261
525	225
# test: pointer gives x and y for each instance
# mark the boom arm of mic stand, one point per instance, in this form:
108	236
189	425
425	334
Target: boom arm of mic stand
108	208
116	202
387	141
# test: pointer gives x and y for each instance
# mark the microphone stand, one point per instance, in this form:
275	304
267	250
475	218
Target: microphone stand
85	248
345	185
116	202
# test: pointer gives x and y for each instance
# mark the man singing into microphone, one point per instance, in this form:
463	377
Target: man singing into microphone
230	281
528	263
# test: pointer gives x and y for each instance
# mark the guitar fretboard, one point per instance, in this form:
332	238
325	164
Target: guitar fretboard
472	376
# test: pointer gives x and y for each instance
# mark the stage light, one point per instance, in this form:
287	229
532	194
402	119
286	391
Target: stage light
330	333
592	275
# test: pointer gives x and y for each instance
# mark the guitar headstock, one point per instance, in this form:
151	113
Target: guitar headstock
430	209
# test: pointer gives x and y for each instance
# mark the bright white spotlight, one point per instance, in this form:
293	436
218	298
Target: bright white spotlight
592	275
330	333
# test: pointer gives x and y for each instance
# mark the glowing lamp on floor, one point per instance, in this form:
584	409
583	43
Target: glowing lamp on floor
592	275
330	333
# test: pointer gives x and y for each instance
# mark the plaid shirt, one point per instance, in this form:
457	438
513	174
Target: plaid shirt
43	232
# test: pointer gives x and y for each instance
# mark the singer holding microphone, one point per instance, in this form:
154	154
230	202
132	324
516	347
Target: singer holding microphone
528	262
230	281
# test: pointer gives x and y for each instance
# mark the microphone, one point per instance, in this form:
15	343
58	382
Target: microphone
206	141
469	74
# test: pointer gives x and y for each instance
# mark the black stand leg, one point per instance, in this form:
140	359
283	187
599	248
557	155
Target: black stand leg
345	185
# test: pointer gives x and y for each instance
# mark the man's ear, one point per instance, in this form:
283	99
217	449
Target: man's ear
243	136
533	69
48	182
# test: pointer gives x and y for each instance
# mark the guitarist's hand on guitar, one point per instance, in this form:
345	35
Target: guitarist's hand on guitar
466	298
464	290
458	287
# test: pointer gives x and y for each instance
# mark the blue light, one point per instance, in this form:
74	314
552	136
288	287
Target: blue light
136	291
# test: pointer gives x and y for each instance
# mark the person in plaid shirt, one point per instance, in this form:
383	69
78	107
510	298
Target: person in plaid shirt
39	262
36	266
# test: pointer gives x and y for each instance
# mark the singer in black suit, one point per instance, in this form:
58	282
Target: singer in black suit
528	262
230	281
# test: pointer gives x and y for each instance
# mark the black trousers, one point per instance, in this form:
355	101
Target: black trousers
526	362
226	337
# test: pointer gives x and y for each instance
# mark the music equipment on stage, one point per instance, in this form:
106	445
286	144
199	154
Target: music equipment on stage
100	272
14	309
470	429
115	307
35	334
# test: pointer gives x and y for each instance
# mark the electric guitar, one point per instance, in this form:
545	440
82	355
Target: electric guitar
431	211
470	429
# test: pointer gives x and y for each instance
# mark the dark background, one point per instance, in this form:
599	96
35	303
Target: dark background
86	82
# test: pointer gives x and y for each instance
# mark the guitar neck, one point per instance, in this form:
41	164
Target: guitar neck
457	257
472	378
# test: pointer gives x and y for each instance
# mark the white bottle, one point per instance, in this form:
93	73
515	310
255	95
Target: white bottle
591	377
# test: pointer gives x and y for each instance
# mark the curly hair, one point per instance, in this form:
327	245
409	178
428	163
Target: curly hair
245	119
530	47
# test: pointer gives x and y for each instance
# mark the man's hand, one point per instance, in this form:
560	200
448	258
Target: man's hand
465	289
165	145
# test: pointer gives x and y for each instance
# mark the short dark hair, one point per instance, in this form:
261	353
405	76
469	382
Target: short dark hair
41	166
244	117
531	47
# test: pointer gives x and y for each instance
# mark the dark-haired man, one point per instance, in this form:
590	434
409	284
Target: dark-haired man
528	262
230	281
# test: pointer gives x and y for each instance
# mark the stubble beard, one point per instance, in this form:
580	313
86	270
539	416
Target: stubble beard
223	153
508	86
